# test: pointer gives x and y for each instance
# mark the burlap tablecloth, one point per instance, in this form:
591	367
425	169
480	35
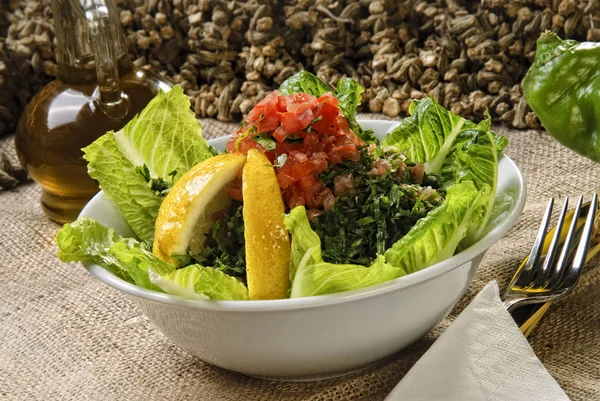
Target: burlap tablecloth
66	336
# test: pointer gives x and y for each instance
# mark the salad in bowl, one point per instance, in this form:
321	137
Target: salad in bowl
301	202
308	244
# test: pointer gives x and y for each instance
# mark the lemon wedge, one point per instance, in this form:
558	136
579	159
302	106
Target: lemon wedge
267	239
186	213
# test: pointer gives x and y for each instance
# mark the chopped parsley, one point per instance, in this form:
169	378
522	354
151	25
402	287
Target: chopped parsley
225	245
160	186
367	220
378	212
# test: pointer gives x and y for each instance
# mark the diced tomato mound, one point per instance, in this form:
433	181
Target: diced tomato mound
312	132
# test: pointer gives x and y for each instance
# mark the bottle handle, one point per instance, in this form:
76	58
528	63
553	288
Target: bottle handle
104	43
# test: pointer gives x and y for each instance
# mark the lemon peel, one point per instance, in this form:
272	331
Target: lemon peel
267	239
186	213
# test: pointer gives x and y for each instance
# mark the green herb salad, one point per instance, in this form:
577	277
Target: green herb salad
356	211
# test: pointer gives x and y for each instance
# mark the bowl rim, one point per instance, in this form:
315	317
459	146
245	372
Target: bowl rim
319	301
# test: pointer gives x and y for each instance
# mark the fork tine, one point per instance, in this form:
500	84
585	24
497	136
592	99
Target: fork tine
574	271
524	278
559	268
542	276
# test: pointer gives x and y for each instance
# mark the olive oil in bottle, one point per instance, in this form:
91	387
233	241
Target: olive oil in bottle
97	90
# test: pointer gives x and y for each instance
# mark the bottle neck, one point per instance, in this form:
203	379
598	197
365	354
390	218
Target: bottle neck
75	56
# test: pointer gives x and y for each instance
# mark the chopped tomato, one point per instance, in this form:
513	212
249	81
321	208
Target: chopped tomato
285	179
327	112
294	196
319	160
282	104
299	170
341	124
312	132
282	148
268	123
329	98
281	133
290	122
326	198
248	143
234	189
346	152
300	102
298	156
311	185
268	103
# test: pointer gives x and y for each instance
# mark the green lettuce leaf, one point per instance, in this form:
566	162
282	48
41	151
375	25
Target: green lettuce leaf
166	137
474	157
86	240
312	276
199	282
428	134
350	96
457	149
436	236
304	81
348	93
122	184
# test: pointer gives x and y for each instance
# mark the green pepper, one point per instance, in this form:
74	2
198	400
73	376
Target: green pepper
562	87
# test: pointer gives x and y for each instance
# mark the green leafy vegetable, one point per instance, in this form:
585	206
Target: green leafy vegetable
562	88
86	240
122	184
428	135
267	142
166	138
160	186
474	157
225	244
350	97
435	237
458	149
199	282
304	81
312	276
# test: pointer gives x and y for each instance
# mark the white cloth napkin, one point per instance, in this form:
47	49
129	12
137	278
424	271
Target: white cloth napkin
482	356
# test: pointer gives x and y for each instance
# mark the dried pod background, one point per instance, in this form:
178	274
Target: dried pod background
471	56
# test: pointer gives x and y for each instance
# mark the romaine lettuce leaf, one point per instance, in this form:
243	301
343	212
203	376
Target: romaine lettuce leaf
166	137
199	282
436	236
86	240
457	149
348	93
474	157
312	276
428	134
304	81
350	96
123	185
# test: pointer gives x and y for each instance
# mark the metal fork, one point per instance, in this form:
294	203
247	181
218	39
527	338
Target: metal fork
549	278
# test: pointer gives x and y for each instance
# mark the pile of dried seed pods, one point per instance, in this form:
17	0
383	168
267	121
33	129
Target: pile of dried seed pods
470	55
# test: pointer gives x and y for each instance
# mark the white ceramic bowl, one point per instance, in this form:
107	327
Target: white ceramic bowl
323	336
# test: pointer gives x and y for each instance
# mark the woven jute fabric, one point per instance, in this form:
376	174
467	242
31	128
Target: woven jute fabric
66	336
